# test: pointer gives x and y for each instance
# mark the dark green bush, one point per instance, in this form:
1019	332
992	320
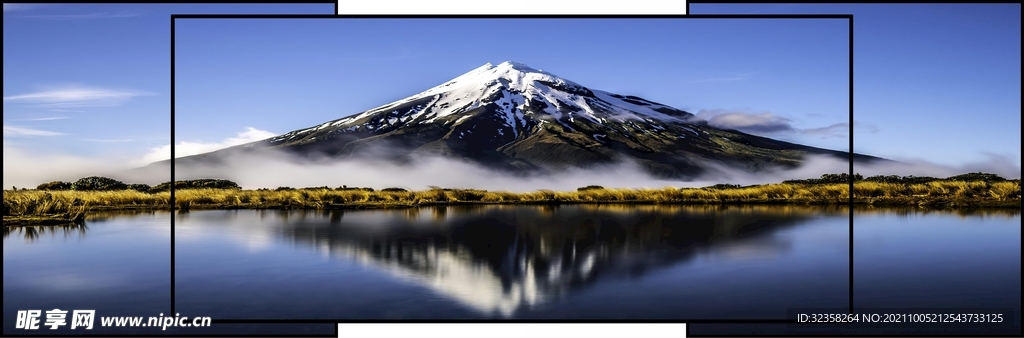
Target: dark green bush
140	187
828	179
979	176
96	183
394	190
196	184
723	186
918	179
348	188
901	179
590	187
885	179
55	185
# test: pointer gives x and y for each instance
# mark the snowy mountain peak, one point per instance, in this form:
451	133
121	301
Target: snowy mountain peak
510	74
505	66
521	67
518	97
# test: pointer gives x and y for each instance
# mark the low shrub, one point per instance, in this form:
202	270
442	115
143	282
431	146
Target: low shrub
205	183
978	176
140	187
55	185
723	186
96	183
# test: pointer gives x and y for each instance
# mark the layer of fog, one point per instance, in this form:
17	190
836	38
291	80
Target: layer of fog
24	169
279	170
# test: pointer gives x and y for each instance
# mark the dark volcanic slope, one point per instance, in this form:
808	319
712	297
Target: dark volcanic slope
517	118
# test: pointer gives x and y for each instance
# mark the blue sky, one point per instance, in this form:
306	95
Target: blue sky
93	81
938	83
283	75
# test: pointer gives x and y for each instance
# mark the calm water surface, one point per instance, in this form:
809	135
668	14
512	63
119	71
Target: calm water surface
511	262
517	262
118	266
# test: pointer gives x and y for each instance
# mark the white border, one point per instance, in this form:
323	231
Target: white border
676	7
510	330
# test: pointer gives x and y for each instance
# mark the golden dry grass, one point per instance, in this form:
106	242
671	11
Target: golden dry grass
934	194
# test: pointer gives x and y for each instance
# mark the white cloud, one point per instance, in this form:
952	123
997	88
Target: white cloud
756	123
15	7
771	124
187	148
108	140
23	131
28	168
80	16
76	97
52	118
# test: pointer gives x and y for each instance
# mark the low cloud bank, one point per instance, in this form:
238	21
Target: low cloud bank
993	163
274	169
24	169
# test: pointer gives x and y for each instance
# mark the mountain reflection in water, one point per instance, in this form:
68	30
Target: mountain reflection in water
497	259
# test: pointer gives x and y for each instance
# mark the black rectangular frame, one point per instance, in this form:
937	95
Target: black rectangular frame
848	17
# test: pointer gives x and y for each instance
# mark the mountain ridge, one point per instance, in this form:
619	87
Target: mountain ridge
520	119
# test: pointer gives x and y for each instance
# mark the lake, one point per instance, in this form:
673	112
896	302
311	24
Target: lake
569	262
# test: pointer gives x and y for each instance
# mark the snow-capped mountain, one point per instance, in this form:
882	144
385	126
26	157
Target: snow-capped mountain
511	116
521	96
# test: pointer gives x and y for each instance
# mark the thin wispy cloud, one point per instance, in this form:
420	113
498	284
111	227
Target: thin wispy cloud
870	127
835	130
17	131
66	111
76	97
76	16
16	7
108	140
52	118
767	123
840	129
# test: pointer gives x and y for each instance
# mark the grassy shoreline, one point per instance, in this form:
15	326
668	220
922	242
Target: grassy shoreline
34	207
